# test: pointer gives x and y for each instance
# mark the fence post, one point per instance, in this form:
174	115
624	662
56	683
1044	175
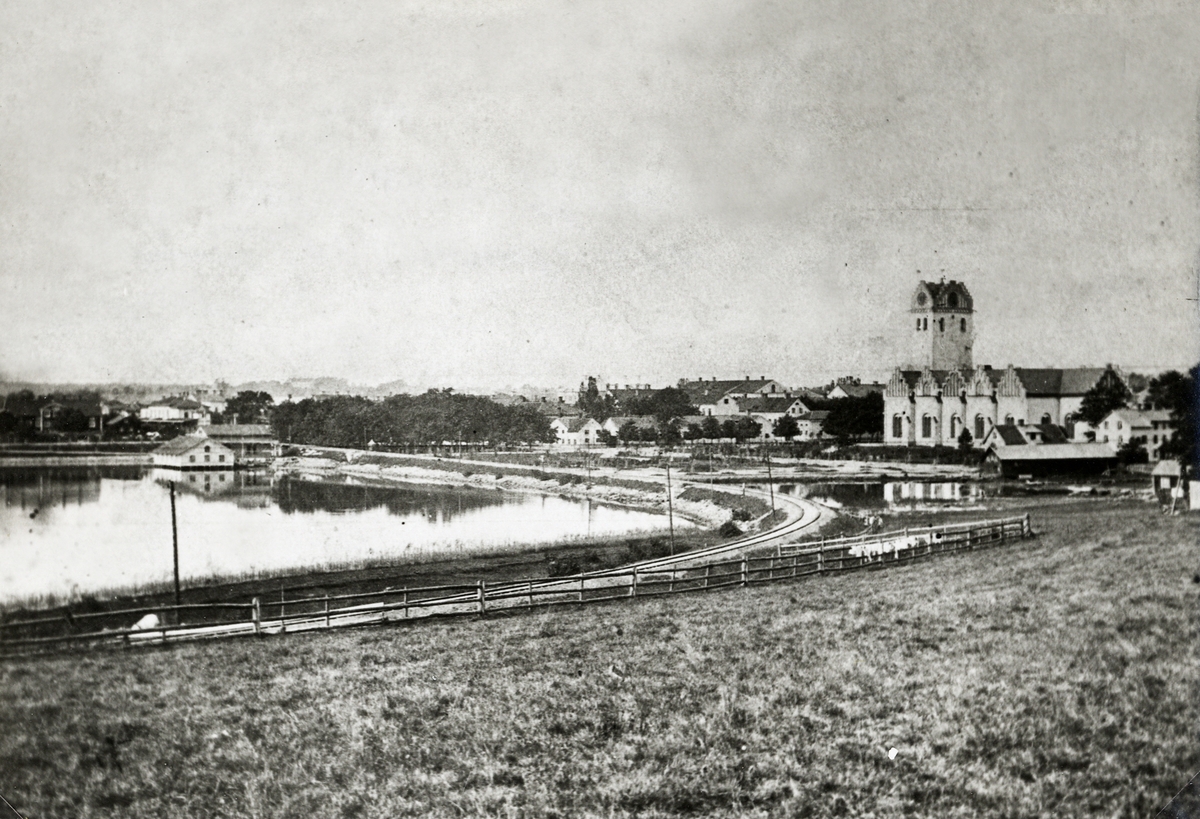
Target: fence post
820	557
745	569
633	583
671	587
404	600
481	590
581	587
326	611
707	569
256	615
1026	526
531	592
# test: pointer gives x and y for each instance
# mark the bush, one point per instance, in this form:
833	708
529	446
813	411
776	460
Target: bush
729	529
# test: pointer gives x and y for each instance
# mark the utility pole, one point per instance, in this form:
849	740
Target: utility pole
771	486
670	508
175	544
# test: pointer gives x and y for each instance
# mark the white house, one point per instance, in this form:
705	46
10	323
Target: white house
176	410
643	422
577	431
1152	427
811	424
194	452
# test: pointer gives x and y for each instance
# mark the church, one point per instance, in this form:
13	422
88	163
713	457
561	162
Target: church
931	402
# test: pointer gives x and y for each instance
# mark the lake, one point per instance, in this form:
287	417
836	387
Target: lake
84	529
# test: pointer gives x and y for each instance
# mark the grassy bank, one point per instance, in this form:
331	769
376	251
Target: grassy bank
1054	677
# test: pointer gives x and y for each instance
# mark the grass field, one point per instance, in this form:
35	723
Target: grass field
1054	677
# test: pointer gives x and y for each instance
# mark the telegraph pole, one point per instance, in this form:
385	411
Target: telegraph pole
175	544
771	486
670	508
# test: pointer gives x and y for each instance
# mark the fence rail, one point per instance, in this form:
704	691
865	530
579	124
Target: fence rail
648	579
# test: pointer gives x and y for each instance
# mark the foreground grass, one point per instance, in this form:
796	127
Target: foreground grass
1054	677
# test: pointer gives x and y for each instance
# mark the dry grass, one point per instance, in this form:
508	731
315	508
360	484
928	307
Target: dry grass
1050	678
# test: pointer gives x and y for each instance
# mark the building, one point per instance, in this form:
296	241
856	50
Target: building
717	397
576	431
251	443
1035	460
811	425
1003	435
196	451
1152	427
932	402
944	315
176	410
643	423
844	389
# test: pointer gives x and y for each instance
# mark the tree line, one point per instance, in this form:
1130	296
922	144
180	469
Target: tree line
430	418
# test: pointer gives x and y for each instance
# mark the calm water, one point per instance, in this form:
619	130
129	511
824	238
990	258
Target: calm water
66	529
885	494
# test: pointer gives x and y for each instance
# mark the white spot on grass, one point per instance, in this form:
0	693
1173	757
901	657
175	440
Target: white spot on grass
892	753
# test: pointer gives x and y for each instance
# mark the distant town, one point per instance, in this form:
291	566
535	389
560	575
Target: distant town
1014	420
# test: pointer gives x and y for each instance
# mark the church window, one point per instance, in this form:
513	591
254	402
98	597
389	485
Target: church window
897	426
926	426
1046	418
1008	420
954	425
918	324
962	325
952	300
925	324
979	427
942	325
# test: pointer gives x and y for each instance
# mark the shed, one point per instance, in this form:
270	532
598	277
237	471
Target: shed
1050	459
194	452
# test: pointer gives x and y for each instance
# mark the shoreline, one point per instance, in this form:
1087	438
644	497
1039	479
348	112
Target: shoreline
699	513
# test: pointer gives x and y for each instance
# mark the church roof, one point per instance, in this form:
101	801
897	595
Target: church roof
1075	381
943	295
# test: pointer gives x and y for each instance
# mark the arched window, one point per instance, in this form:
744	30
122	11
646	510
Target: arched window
925	324
962	325
918	324
1008	420
955	425
926	426
941	325
952	300
978	427
897	426
1046	419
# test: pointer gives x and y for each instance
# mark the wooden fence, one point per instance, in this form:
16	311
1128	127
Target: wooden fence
678	575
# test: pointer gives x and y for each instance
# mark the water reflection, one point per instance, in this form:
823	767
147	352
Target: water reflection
435	503
65	530
884	494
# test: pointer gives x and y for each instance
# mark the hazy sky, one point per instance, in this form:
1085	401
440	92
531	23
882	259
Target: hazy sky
527	192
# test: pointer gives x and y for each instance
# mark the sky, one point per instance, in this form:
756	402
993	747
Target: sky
507	192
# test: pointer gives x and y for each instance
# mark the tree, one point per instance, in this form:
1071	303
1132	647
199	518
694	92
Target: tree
1180	397
628	432
250	407
1108	394
710	428
669	434
854	417
745	428
593	404
786	428
965	440
1133	451
664	404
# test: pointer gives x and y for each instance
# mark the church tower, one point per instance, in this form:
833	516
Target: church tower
943	315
